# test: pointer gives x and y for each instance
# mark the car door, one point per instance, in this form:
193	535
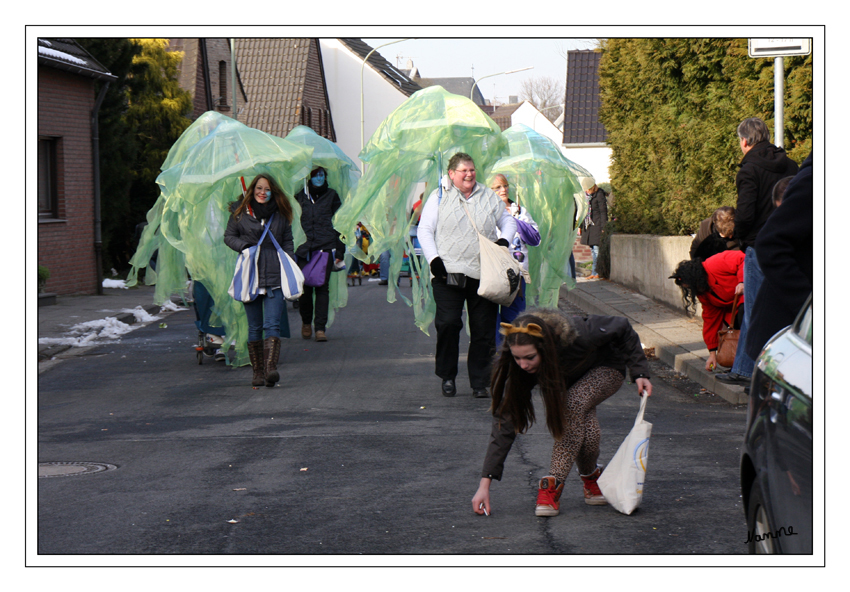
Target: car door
789	435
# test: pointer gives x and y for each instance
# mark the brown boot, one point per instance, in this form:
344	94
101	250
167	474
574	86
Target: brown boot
320	335
272	351
255	354
306	331
592	495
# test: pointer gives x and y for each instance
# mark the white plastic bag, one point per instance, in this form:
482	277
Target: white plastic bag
500	273
622	481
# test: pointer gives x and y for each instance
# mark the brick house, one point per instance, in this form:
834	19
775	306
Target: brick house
205	72
285	83
68	206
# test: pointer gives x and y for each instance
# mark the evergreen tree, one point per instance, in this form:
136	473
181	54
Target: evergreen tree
157	113
671	108
117	149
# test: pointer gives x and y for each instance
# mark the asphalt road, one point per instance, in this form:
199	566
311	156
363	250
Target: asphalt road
355	452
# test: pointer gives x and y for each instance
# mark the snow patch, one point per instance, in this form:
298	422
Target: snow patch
61	55
170	306
90	333
142	316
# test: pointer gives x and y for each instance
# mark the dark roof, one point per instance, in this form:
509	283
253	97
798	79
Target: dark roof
273	71
382	66
581	111
502	115
68	55
459	86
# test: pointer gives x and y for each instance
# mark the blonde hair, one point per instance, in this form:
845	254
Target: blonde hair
724	221
498	177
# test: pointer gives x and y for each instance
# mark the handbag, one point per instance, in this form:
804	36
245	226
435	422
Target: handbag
500	272
244	286
291	277
622	481
316	270
727	340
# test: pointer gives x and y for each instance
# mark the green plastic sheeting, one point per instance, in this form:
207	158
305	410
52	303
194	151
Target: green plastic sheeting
201	177
410	150
545	183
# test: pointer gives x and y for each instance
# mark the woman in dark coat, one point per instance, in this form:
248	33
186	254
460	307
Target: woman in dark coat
264	201
595	220
318	205
577	362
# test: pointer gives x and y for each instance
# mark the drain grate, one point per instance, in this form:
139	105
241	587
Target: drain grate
70	469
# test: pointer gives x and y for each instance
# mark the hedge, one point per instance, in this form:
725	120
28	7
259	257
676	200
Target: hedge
671	108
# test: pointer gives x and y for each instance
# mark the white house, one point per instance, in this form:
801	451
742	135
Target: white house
383	89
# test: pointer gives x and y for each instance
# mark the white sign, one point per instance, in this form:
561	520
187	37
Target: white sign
775	48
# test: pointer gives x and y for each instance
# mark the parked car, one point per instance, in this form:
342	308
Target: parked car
776	463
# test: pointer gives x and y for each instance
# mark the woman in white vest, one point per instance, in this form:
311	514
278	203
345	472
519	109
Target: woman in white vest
450	245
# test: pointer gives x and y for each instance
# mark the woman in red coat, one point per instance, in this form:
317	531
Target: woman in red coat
715	283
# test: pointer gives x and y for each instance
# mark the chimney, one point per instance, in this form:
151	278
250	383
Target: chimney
513	99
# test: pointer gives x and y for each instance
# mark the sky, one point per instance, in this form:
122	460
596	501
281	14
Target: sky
477	58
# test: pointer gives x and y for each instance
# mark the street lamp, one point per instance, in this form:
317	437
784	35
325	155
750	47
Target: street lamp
362	116
539	111
474	84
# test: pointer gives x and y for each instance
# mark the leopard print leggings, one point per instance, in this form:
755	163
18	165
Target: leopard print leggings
580	442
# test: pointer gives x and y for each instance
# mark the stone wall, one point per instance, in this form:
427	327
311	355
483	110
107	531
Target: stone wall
645	262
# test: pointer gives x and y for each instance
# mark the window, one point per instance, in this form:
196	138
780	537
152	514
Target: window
48	206
222	83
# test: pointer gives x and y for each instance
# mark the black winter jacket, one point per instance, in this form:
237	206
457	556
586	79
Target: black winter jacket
760	169
246	232
592	235
583	343
785	250
316	220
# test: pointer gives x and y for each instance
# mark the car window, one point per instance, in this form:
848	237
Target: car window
804	329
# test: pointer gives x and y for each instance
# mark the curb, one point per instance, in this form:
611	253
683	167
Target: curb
127	318
673	355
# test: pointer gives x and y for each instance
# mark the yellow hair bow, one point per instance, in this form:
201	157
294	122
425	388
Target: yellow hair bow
532	329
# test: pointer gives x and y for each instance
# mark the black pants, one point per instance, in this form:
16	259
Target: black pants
323	298
449	323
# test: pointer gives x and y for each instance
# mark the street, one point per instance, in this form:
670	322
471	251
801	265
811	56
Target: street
354	452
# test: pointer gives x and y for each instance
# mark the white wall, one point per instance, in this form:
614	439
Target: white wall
596	159
342	75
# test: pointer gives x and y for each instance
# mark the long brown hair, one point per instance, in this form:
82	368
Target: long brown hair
511	386
279	196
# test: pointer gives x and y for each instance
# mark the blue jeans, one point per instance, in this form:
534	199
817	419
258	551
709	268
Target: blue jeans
753	277
594	250
573	266
264	314
384	273
508	313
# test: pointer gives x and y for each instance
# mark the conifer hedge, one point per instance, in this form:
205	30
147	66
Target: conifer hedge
671	108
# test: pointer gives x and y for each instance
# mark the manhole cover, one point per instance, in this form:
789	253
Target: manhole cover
69	469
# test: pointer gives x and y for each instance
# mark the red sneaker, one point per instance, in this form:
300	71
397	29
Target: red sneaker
548	496
592	495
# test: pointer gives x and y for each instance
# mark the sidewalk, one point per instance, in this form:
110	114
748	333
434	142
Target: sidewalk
56	320
676	338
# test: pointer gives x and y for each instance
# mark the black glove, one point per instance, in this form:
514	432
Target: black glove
503	242
438	269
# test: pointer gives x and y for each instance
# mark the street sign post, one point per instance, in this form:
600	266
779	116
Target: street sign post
778	49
